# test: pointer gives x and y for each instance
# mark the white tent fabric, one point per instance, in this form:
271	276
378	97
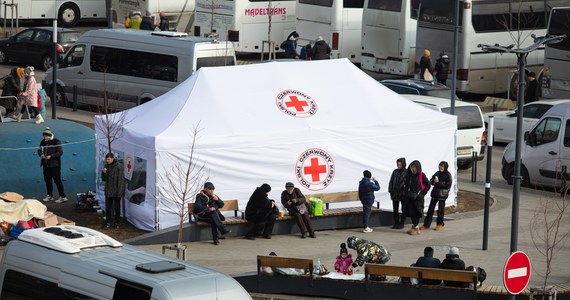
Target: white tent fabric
318	124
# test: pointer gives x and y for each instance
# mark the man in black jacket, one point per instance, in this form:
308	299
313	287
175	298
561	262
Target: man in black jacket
453	262
50	152
113	175
260	211
207	207
428	261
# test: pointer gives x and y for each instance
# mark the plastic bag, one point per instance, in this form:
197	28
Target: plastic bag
316	206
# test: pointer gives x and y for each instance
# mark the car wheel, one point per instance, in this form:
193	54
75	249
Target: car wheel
3	56
46	62
464	165
60	98
68	15
507	172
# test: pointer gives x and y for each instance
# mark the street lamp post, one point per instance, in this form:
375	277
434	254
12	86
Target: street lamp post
521	53
54	72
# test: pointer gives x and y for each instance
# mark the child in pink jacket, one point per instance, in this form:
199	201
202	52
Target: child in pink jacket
343	262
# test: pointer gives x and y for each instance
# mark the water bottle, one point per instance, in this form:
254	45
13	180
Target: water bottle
318	266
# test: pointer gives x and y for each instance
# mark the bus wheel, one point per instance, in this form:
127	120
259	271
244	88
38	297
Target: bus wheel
68	15
514	85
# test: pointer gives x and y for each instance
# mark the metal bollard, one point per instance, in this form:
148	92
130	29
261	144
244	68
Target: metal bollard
474	167
74	98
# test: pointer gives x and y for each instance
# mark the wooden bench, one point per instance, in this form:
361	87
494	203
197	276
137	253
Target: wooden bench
469	277
340	198
285	262
229	205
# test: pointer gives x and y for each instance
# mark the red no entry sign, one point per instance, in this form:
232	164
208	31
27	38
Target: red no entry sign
516	274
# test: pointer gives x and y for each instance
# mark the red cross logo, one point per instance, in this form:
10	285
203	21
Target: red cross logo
315	170
129	166
296	103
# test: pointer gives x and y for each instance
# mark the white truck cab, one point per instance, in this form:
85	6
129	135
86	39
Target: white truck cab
72	262
545	153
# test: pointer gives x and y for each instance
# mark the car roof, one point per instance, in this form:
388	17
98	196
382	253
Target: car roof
550	101
435	101
50	29
417	83
149	36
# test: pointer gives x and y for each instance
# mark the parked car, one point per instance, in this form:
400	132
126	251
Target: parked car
34	46
418	87
505	122
470	137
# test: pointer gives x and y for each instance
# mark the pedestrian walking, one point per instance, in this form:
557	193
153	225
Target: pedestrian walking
163	25
321	50
532	92
442	68
146	22
426	68
417	186
11	87
366	188
29	97
113	175
50	152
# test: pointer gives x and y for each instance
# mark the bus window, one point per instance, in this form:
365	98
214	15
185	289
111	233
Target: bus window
214	61
414	9
327	3
441	11
389	5
353	3
567	134
560	24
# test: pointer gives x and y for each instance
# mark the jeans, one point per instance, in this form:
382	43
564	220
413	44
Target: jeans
366	211
440	212
216	224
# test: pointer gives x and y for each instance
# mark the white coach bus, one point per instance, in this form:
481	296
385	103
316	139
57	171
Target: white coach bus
556	77
68	12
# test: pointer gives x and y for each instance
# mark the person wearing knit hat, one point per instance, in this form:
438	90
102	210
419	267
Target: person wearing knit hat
207	208
453	262
344	261
366	188
295	202
29	97
261	212
50	152
426	68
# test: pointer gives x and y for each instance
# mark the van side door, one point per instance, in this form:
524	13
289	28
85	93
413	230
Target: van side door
565	152
542	156
72	72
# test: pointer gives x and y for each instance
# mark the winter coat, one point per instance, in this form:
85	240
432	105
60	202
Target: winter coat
453	262
320	50
532	92
114	179
11	84
417	184
342	265
53	149
398	182
147	24
441	69
163	25
368	252
429	262
133	22
425	63
444	181
204	202
291	50
297	198
258	207
30	93
366	189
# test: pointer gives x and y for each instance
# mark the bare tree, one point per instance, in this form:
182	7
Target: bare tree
549	230
185	181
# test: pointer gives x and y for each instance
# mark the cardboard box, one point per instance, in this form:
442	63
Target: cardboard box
64	221
50	219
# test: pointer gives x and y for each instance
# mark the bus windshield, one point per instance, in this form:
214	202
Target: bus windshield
560	24
439	11
389	5
327	3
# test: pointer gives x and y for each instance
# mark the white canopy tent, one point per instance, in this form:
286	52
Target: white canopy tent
318	124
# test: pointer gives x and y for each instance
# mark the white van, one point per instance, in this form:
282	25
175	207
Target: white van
471	133
72	262
133	66
545	154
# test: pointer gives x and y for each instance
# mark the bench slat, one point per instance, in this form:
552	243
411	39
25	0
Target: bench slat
427	273
285	262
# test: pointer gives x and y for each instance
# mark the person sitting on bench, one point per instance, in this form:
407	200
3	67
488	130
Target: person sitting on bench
453	262
428	261
207	210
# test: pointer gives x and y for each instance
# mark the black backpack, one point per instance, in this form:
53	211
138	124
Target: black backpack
284	45
481	274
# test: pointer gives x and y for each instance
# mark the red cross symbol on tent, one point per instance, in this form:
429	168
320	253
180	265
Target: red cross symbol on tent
129	166
315	169
296	103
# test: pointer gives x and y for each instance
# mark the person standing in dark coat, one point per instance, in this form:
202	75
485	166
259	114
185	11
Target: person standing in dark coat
396	189
294	201
417	186
441	182
12	87
428	261
50	152
260	211
146	23
113	175
425	64
442	68
207	207
366	188
532	91
163	25
291	49
321	50
453	262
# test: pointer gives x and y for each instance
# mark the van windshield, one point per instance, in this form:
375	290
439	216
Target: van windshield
214	61
468	117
